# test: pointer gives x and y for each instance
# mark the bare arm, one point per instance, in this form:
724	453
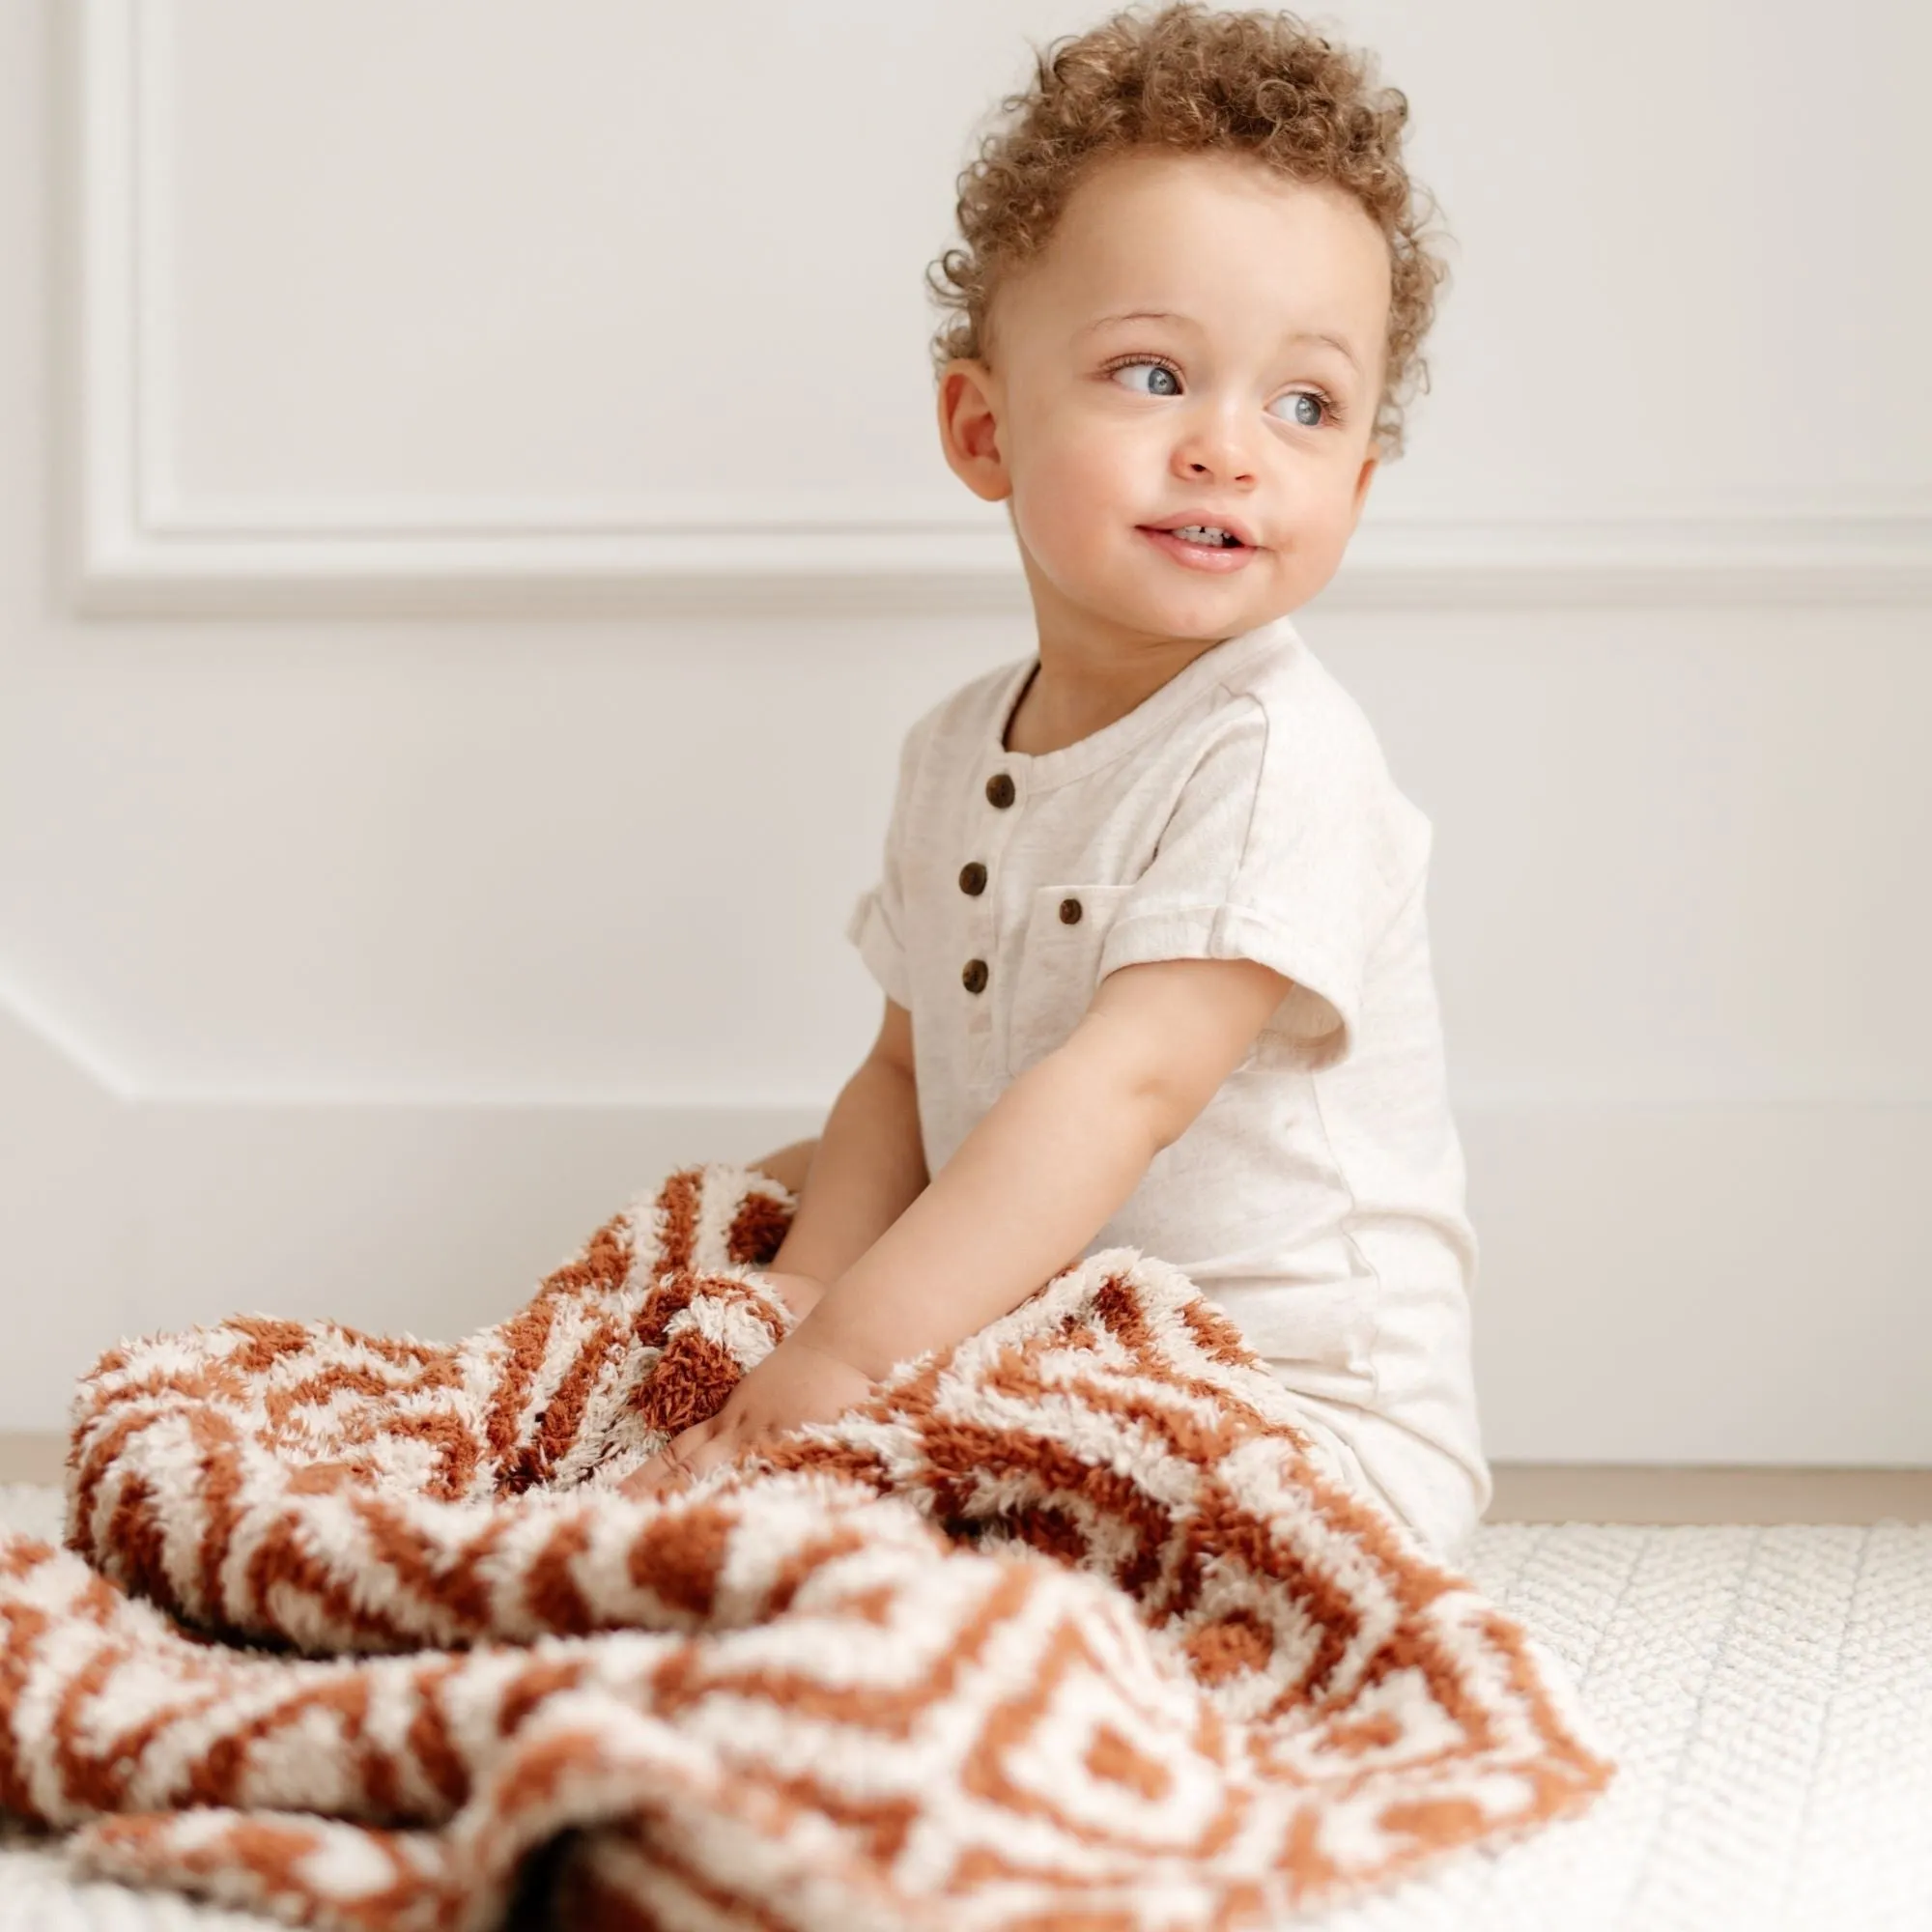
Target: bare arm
1062	1148
869	1163
1046	1167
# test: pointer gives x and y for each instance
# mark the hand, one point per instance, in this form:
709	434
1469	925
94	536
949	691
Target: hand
795	1384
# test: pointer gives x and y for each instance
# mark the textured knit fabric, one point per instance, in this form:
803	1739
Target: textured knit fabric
1058	1626
1768	1691
1242	811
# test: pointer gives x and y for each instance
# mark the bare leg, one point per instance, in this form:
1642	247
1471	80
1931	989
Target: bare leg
788	1164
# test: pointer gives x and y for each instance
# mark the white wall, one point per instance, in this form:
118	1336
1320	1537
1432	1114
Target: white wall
471	536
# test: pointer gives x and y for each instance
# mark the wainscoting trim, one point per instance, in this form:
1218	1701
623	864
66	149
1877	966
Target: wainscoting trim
139	549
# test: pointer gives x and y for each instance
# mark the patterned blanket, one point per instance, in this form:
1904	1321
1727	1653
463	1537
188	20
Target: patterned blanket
1061	1628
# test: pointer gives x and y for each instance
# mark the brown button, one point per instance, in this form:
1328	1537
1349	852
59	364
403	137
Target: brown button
1000	789
973	978
973	878
1070	912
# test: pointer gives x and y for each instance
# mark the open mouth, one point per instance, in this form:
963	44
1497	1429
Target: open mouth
1211	537
1201	545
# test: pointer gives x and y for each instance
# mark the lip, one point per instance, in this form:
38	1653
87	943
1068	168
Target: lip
1199	556
1212	519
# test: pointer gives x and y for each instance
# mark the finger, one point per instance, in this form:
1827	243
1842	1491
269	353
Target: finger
682	1456
721	1446
666	1470
706	1456
673	1463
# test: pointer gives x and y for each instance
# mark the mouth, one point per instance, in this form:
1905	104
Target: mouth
1202	542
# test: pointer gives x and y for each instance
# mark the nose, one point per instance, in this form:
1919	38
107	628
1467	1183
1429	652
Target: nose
1213	448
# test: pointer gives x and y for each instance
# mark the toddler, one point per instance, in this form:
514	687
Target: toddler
1151	923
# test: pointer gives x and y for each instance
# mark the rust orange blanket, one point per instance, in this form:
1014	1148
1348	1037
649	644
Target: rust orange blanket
1059	1629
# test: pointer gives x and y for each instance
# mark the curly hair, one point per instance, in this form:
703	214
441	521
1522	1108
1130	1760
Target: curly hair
1194	80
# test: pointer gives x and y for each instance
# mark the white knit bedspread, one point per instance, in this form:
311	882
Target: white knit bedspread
1767	1693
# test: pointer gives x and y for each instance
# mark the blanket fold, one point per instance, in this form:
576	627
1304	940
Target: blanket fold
1060	1627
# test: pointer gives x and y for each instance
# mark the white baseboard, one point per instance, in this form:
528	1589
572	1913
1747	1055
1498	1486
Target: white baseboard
1703	1284
1709	1284
120	1218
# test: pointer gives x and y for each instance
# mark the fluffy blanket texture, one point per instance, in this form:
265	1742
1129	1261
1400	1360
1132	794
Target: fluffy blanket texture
1061	1628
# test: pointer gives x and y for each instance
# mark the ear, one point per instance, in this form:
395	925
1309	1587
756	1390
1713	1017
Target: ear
969	428
1363	481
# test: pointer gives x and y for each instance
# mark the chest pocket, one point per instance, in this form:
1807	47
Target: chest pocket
1059	967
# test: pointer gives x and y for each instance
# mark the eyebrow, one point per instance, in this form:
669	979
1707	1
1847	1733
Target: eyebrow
1169	315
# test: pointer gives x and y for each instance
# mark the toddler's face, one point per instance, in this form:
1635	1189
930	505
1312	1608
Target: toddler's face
1156	364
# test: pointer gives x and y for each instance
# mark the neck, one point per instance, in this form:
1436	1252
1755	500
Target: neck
1091	672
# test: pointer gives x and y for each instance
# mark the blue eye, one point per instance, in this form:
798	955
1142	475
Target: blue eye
1161	380
1314	396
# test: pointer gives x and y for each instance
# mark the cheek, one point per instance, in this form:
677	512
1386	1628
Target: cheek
1314	504
1329	523
1074	495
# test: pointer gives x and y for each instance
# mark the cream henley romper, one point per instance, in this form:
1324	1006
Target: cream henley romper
1243	811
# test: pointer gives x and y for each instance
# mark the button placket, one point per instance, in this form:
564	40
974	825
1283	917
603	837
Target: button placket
992	825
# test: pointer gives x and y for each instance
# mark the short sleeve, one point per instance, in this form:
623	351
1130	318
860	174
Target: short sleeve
877	924
1289	845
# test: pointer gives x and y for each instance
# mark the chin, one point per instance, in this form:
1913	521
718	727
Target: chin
1201	616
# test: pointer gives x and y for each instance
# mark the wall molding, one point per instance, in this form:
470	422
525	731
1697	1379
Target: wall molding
1648	1285
104	1079
63	1042
108	1075
139	549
